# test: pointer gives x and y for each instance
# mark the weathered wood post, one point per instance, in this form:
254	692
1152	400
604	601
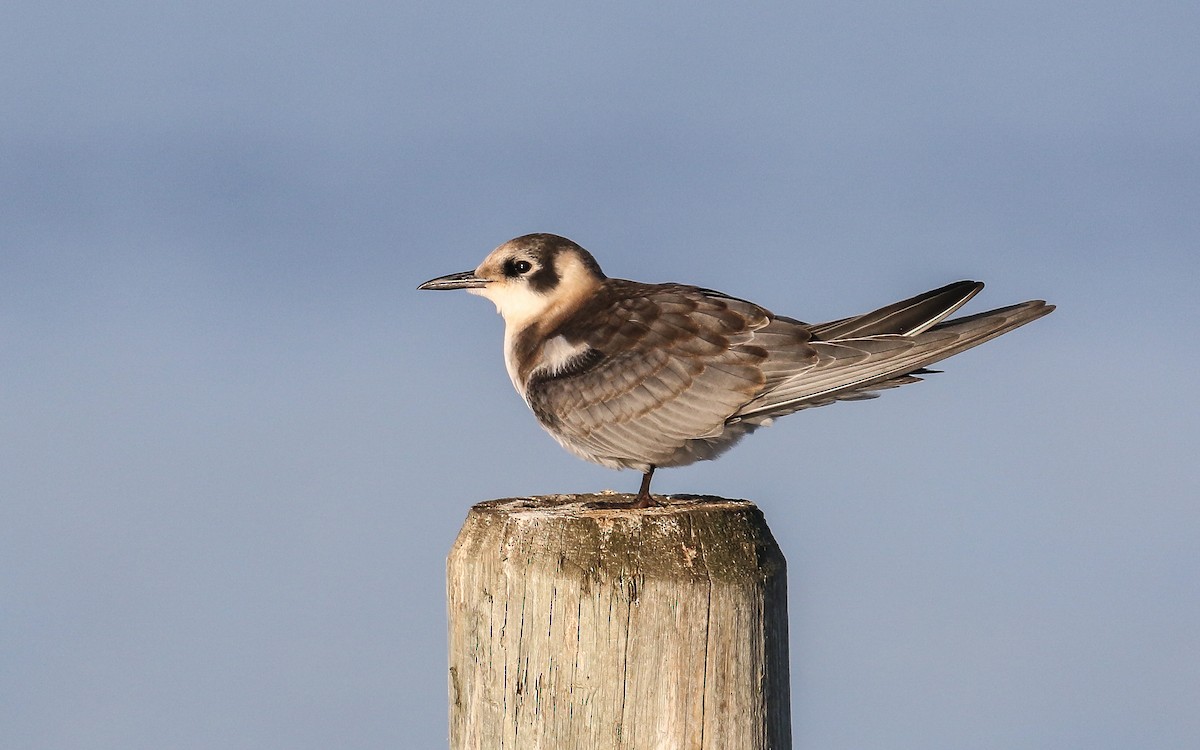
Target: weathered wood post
576	626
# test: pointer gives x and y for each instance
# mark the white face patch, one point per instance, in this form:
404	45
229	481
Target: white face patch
517	303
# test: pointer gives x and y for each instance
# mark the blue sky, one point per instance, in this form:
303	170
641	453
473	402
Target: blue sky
236	444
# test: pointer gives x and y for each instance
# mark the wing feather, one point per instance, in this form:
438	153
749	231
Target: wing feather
674	373
677	363
851	367
909	317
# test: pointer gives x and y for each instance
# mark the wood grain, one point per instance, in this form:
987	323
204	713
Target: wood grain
575	626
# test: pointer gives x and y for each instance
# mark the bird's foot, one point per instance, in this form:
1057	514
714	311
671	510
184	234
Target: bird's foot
645	500
642	501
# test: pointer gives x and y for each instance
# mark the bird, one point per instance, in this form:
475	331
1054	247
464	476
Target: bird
642	376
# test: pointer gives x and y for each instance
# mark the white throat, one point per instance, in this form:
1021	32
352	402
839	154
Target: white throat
518	305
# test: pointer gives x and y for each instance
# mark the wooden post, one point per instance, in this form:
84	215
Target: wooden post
573	626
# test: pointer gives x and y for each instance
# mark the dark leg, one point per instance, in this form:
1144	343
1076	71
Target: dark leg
644	499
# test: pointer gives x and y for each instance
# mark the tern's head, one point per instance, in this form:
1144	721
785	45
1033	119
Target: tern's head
530	278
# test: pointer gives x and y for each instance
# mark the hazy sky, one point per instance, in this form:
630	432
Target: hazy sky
236	444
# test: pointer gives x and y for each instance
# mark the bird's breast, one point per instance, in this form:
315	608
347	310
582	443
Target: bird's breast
528	357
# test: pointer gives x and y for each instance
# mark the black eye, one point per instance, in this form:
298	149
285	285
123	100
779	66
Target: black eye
517	267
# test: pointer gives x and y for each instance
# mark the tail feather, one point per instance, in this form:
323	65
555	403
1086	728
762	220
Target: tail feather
907	317
857	367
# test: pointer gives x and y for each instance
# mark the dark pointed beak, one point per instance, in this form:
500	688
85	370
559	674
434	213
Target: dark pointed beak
464	280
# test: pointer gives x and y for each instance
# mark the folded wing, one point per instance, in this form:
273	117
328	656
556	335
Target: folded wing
675	363
670	374
857	367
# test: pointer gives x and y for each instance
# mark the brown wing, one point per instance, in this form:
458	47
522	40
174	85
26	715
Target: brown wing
854	368
908	317
674	363
669	366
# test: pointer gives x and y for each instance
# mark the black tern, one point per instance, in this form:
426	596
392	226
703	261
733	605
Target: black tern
641	376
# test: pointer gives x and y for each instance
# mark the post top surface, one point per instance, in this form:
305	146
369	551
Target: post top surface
608	504
689	538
